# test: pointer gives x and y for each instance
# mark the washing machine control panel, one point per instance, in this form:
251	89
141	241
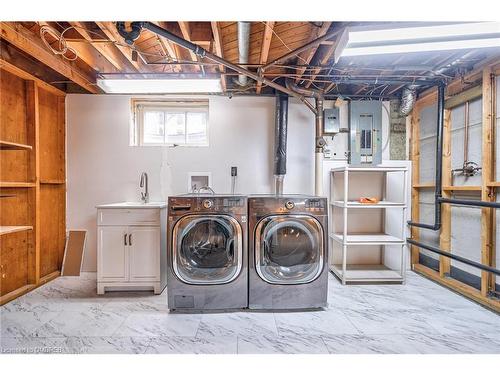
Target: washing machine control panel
207	203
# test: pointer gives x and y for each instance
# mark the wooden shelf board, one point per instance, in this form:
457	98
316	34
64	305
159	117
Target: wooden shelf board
368	239
6	229
355	204
424	186
53	182
10	184
367	272
4	145
462	188
494	184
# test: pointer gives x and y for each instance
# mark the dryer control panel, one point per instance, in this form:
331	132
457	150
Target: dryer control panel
181	205
262	205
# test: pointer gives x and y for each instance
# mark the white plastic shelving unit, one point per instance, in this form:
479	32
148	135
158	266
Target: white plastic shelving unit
358	233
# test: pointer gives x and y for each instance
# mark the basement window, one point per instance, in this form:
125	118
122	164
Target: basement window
170	123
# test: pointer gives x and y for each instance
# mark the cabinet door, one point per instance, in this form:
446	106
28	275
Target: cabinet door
112	257
144	250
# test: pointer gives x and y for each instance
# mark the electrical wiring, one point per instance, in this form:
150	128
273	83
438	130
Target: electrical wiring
63	47
284	44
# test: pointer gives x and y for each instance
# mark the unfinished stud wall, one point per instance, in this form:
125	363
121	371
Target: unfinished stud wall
32	182
466	231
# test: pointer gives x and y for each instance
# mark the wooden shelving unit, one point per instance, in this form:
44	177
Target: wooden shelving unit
358	234
32	213
481	76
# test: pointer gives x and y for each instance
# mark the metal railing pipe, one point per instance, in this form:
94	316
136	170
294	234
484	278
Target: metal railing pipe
458	258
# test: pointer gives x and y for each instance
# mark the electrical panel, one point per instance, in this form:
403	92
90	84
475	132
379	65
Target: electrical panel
365	132
331	123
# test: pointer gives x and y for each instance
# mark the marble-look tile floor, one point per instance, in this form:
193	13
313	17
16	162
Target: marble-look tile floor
67	316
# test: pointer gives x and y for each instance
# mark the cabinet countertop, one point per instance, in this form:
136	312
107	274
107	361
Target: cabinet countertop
133	205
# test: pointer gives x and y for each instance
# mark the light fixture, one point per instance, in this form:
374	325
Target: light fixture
361	41
159	86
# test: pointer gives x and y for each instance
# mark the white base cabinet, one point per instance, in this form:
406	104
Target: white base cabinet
131	249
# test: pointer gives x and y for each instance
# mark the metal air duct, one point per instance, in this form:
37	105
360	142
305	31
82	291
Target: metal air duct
280	136
243	48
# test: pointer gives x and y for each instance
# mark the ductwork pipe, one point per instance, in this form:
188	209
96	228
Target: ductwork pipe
243	48
319	141
408	99
280	137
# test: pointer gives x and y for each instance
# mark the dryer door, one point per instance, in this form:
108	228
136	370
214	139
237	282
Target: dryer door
207	249
289	249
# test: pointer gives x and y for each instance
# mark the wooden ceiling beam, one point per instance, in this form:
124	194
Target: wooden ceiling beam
109	29
216	31
109	51
167	45
186	34
84	50
264	50
31	44
326	56
306	56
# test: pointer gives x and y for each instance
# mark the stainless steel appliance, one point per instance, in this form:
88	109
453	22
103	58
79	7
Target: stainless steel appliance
288	251
207	252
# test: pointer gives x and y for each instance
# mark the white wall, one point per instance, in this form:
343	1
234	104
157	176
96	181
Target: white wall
103	168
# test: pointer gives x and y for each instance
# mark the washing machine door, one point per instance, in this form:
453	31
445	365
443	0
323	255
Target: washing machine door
289	249
207	249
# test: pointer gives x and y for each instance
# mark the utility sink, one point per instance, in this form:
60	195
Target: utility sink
134	205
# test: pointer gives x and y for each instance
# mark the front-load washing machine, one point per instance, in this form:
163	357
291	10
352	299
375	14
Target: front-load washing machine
288	252
207	252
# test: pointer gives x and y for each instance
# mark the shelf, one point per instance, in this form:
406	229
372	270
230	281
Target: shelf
462	188
7	195
367	273
424	186
7	229
8	184
53	182
493	184
4	145
355	204
368	169
368	239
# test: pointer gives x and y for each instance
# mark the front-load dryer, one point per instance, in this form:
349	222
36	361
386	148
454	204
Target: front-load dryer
207	252
288	252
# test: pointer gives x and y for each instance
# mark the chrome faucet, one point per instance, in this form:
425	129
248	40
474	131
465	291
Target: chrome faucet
144	184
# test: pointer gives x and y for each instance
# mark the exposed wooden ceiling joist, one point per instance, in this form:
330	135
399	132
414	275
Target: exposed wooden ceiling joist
85	50
31	44
264	50
216	32
186	34
108	50
324	59
306	56
109	29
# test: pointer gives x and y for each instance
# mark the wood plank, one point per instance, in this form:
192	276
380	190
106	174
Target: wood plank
109	29
487	193
216	32
264	51
20	184
7	229
448	188
33	126
30	44
306	56
186	34
4	145
5	65
415	176
459	287
326	56
445	234
16	293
